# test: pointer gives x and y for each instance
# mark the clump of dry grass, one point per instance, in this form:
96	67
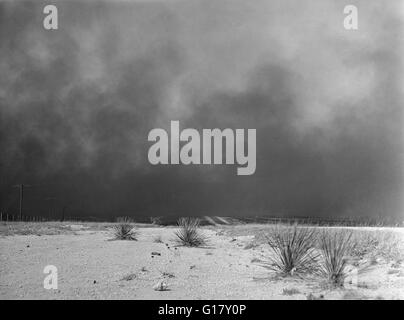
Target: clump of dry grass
156	220
129	277
336	246
292	250
368	243
391	246
372	245
189	234
124	230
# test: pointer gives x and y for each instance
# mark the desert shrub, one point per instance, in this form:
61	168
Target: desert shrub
124	230
156	220
251	245
292	250
290	292
189	234
374	244
158	239
311	296
336	246
367	242
390	246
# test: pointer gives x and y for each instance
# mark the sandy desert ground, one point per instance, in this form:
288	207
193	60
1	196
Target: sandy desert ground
91	266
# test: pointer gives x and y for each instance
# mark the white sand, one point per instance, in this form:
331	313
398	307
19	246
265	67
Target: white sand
222	271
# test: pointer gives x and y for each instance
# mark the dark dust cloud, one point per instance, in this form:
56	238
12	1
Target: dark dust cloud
77	105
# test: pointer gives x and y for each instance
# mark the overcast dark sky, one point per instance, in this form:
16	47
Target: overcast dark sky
77	105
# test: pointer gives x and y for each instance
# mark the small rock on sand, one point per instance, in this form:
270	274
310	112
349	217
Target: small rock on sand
161	286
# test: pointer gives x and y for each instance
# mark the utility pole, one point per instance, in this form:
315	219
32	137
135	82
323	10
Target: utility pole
21	199
52	209
21	187
63	213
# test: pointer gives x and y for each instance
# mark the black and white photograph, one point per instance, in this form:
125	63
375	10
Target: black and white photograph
201	150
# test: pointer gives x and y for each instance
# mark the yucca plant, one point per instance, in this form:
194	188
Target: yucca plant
335	249
188	233
124	230
292	250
